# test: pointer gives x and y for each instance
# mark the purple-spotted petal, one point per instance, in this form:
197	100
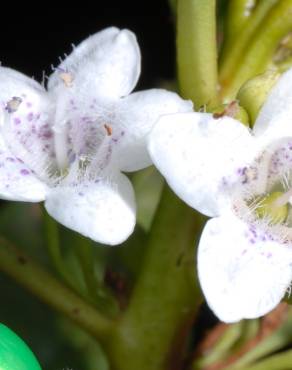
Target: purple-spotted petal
106	65
17	181
279	161
90	134
243	271
135	117
103	210
85	86
26	120
203	158
16	84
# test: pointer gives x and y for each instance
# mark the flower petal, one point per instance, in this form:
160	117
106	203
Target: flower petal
243	271
106	64
26	120
202	158
279	155
136	115
17	181
274	119
103	211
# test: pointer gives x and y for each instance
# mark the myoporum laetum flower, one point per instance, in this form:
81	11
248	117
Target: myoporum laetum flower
68	145
242	179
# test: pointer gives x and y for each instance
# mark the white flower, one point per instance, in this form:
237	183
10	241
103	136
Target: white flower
230	173
68	145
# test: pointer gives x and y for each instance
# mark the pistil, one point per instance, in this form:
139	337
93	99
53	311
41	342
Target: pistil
61	146
61	129
283	199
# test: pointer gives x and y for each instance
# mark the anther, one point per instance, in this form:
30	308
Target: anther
108	129
67	78
13	104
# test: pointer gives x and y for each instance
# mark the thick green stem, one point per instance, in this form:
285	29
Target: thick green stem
165	298
259	50
197	51
39	282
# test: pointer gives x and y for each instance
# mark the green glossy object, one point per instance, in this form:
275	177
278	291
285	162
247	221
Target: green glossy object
14	353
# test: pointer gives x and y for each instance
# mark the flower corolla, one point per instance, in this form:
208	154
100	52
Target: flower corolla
68	145
241	178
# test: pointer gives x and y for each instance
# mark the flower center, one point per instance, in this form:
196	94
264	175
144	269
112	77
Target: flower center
274	206
84	140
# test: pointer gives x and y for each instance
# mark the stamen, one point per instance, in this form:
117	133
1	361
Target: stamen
67	78
13	104
108	129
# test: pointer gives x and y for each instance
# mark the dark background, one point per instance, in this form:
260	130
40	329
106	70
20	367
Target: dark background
32	37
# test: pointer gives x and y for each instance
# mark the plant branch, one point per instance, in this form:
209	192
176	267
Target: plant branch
197	51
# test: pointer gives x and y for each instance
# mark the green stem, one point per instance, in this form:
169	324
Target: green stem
239	12
197	51
97	292
53	245
256	53
250	330
165	297
239	29
91	290
230	342
273	343
281	361
39	282
221	349
83	247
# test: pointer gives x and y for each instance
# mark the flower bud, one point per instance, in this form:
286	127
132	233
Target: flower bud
254	92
